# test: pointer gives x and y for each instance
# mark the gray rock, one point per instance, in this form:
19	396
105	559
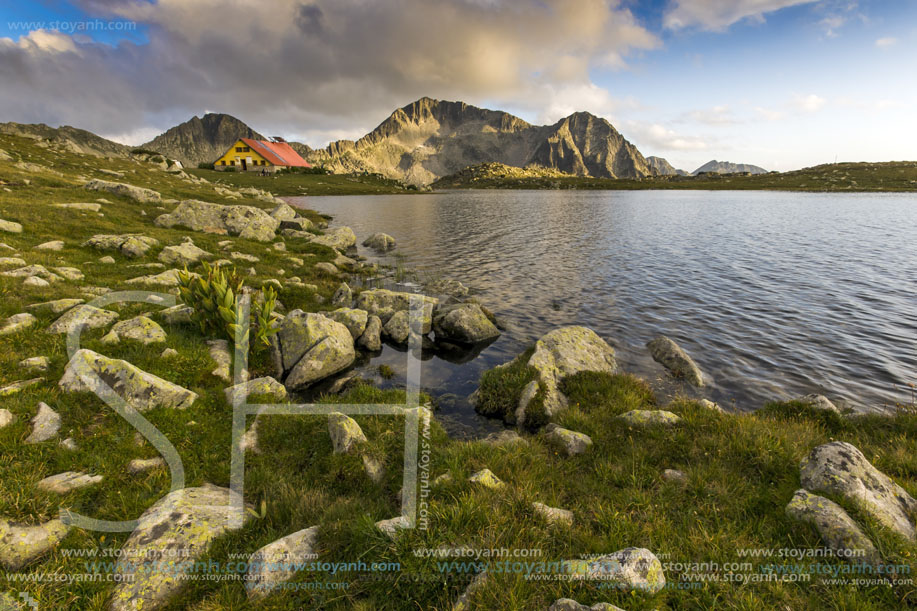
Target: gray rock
486	478
62	483
20	545
139	465
630	569
219	352
839	468
326	268
569	442
672	357
68	444
354	320
119	188
374	469
45	425
107	260
10	226
553	515
711	405
6	418
674	475
89	371
241	256
8	261
837	529
17	387
257	387
166	278
391	526
140	329
244	221
132	245
185	253
55	307
371	339
274	563
345	433
464	323
384	303
649	417
284	212
311	347
41	363
341	238
398	327
176	315
380	241
87	316
54	245
189	520
16	323
80	206
35	281
343	296
168	353
819	402
70	273
29	271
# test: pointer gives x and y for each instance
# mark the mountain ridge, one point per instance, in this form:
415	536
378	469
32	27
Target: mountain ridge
727	167
71	138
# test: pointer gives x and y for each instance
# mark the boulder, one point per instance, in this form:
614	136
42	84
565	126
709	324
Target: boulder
244	221
87	316
166	278
630	569
569	442
354	320
185	253
345	433
20	545
819	402
398	327
371	339
189	520
836	528
649	417
140	329
55	307
553	515
486	478
119	188
672	357
16	323
130	245
8	261
384	303
257	387
341	238
45	425
284	212
839	468
219	352
465	323
380	241
89	371
10	226
276	562
311	347
343	296
62	483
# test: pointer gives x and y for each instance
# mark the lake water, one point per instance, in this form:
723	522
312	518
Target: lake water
774	294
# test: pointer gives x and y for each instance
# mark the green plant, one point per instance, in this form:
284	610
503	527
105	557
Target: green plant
205	165
215	300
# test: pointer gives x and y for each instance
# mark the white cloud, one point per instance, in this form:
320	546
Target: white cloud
769	114
808	103
657	137
717	115
885	42
720	14
41	41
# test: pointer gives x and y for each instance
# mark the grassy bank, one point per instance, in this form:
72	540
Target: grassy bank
840	177
741	470
290	184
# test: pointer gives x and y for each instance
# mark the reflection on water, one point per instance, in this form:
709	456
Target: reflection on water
774	294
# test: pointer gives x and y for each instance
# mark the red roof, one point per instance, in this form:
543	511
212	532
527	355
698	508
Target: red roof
277	153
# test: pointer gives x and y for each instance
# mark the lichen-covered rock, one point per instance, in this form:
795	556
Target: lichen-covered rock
371	339
87	316
354	320
391	526
55	307
166	278
6	417
65	482
630	569
345	433
839	468
119	188
819	402
341	238
80	206
569	442
343	296
70	273
568	604
140	329
266	386
714	407
275	563
384	303
327	268
649	417
671	356
244	221
45	425
16	323
464	323
185	253
837	529
284	212
130	245
90	371
311	347
32	271
36	281
219	352
380	241
486	478
176	315
139	465
553	515
20	545
398	327
9	261
17	387
188	520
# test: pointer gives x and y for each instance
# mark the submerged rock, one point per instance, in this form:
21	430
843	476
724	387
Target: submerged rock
672	357
465	323
380	241
839	468
837	529
275	563
92	372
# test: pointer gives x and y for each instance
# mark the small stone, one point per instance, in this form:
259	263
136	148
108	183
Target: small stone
54	245
219	352
374	468
553	515
68	444
6	418
139	465
391	526
504	438
10	226
649	417
40	363
674	475
17	387
486	478
107	259
168	353
711	405
266	386
35	281
569	442
45	425
819	402
16	323
345	433
62	483
241	256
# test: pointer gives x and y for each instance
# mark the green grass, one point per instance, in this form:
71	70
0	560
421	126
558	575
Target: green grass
839	177
307	184
741	469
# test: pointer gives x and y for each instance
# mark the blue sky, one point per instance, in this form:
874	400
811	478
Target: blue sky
778	83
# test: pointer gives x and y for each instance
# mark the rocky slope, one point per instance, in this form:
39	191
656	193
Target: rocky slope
663	168
429	139
201	139
727	167
69	138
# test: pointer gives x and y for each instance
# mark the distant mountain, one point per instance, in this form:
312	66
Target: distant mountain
71	138
302	149
726	167
201	139
663	167
429	139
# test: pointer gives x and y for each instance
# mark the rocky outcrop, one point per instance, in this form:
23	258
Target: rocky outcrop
662	167
131	245
243	221
309	347
189	520
672	357
201	140
139	194
276	562
465	323
840	469
88	371
384	303
836	528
